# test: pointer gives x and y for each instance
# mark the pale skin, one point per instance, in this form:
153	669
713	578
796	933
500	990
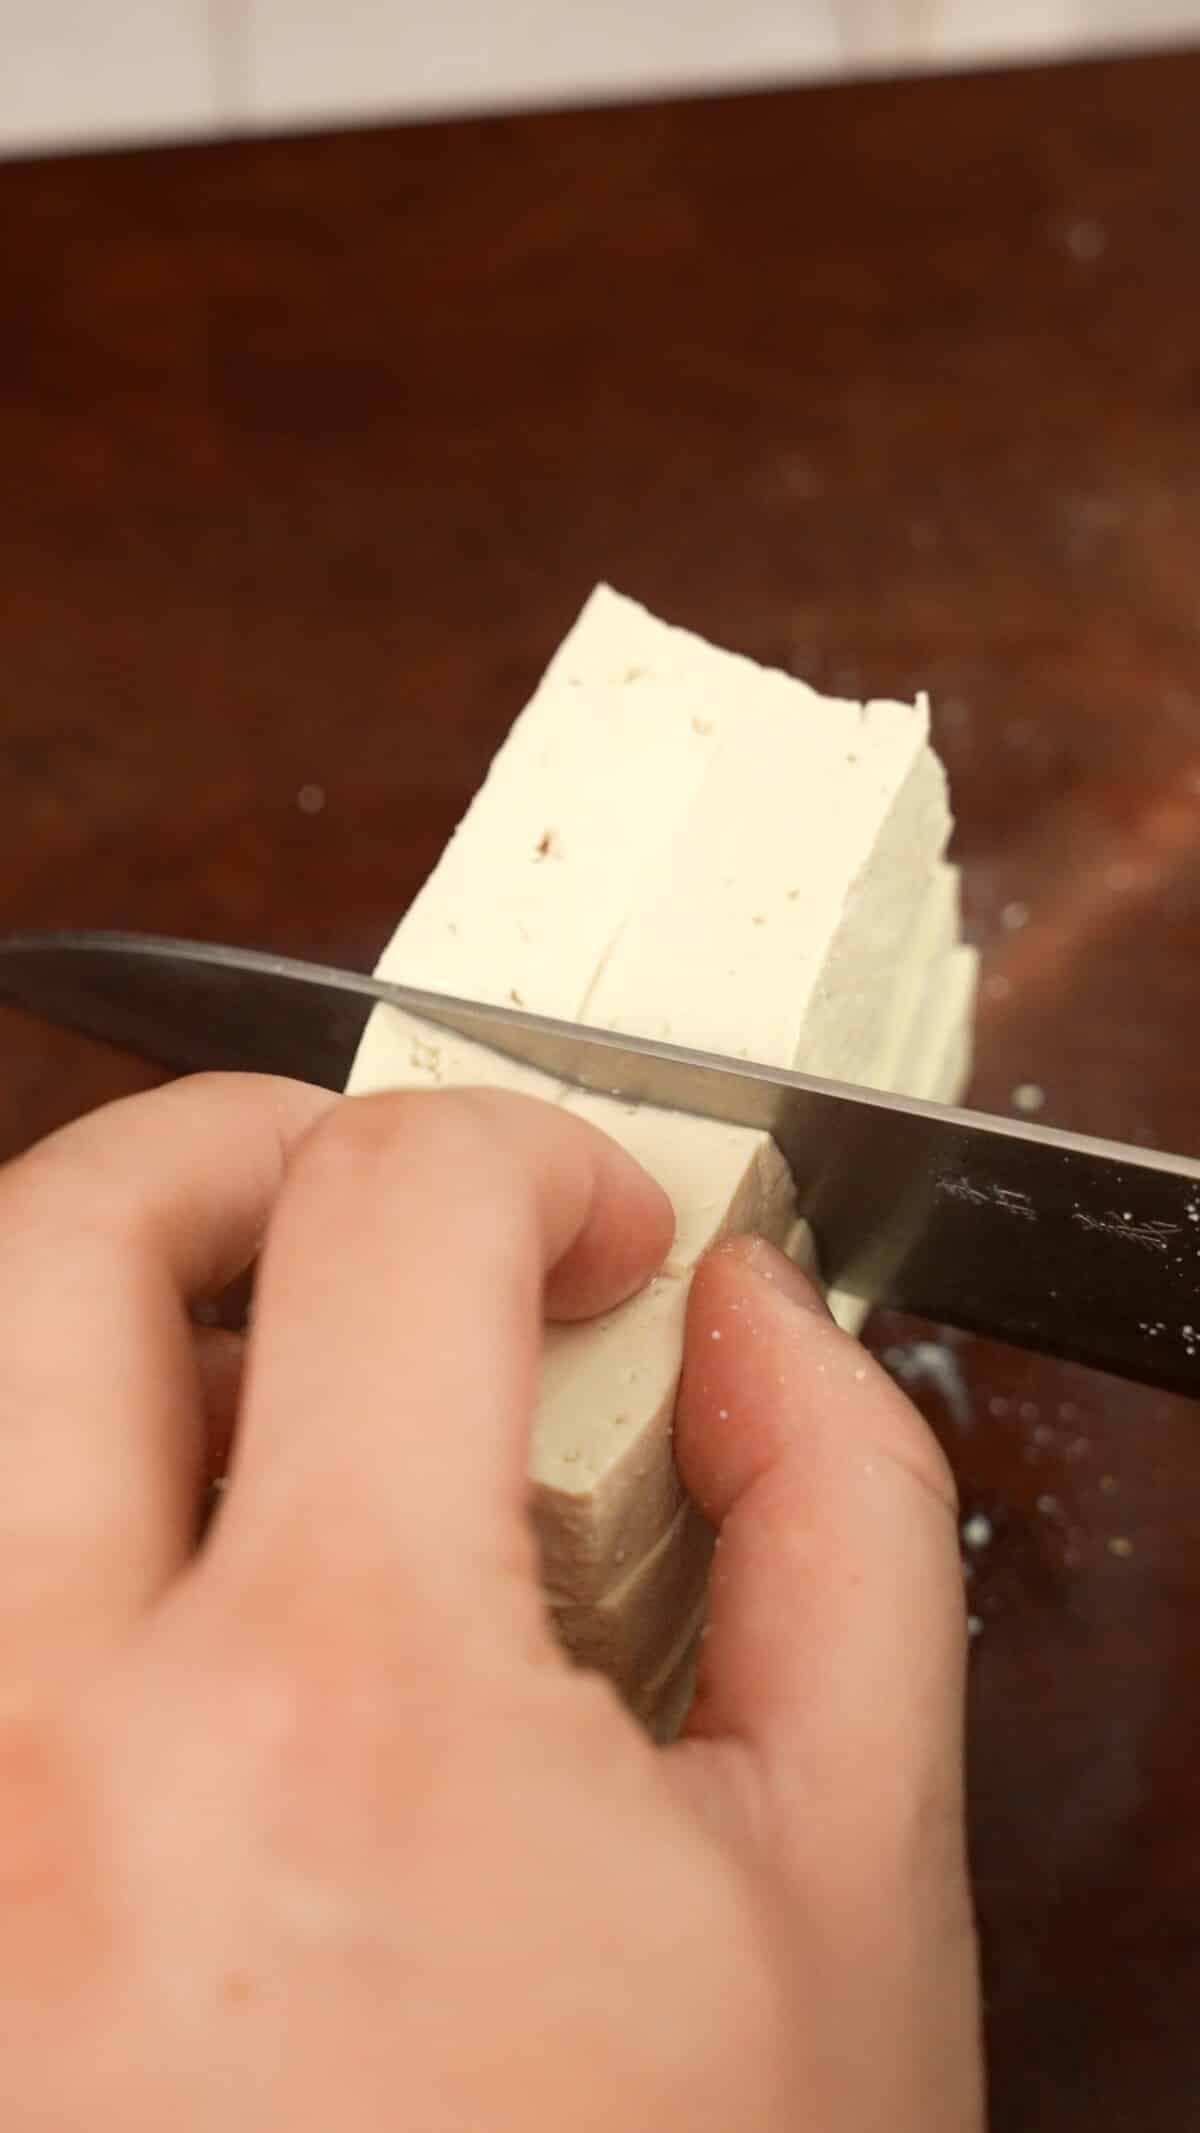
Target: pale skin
309	1828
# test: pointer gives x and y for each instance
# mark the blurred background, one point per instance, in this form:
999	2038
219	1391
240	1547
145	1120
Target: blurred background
74	72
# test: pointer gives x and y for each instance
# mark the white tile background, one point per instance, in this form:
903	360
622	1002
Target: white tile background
79	69
74	71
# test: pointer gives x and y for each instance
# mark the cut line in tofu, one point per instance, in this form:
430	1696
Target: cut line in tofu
678	844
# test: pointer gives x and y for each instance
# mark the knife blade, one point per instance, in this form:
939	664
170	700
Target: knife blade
1084	1249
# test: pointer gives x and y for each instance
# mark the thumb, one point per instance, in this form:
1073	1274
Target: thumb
837	1625
829	1702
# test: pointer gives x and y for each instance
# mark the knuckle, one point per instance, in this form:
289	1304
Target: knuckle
911	1445
447	1127
330	1688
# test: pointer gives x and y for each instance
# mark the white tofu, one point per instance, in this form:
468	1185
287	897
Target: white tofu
674	843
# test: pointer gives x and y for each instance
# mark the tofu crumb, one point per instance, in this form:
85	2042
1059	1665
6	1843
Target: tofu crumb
1048	1506
1014	916
1120	1547
1109	1484
997	1406
716	1334
997	987
1028	1096
310	799
722	1414
977	1532
974	1627
934	1363
1085	240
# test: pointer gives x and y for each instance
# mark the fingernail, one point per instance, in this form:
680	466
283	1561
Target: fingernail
779	1272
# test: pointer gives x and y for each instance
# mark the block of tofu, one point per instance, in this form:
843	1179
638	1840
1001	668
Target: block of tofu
676	843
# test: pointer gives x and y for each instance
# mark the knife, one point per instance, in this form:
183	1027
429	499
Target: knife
1084	1249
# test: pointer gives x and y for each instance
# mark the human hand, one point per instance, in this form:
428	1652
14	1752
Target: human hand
311	1827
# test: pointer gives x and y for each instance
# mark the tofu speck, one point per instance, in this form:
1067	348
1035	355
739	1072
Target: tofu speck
1028	1097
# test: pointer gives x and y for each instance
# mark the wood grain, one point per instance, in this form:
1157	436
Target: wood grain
312	450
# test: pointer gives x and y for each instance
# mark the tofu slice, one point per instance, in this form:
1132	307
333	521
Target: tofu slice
675	843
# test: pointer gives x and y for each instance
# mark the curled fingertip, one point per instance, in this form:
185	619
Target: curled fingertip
754	1255
629	1231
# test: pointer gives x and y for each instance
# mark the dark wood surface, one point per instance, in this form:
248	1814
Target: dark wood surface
310	453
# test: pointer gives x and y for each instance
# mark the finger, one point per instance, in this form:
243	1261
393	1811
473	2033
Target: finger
397	1329
107	1231
836	1639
